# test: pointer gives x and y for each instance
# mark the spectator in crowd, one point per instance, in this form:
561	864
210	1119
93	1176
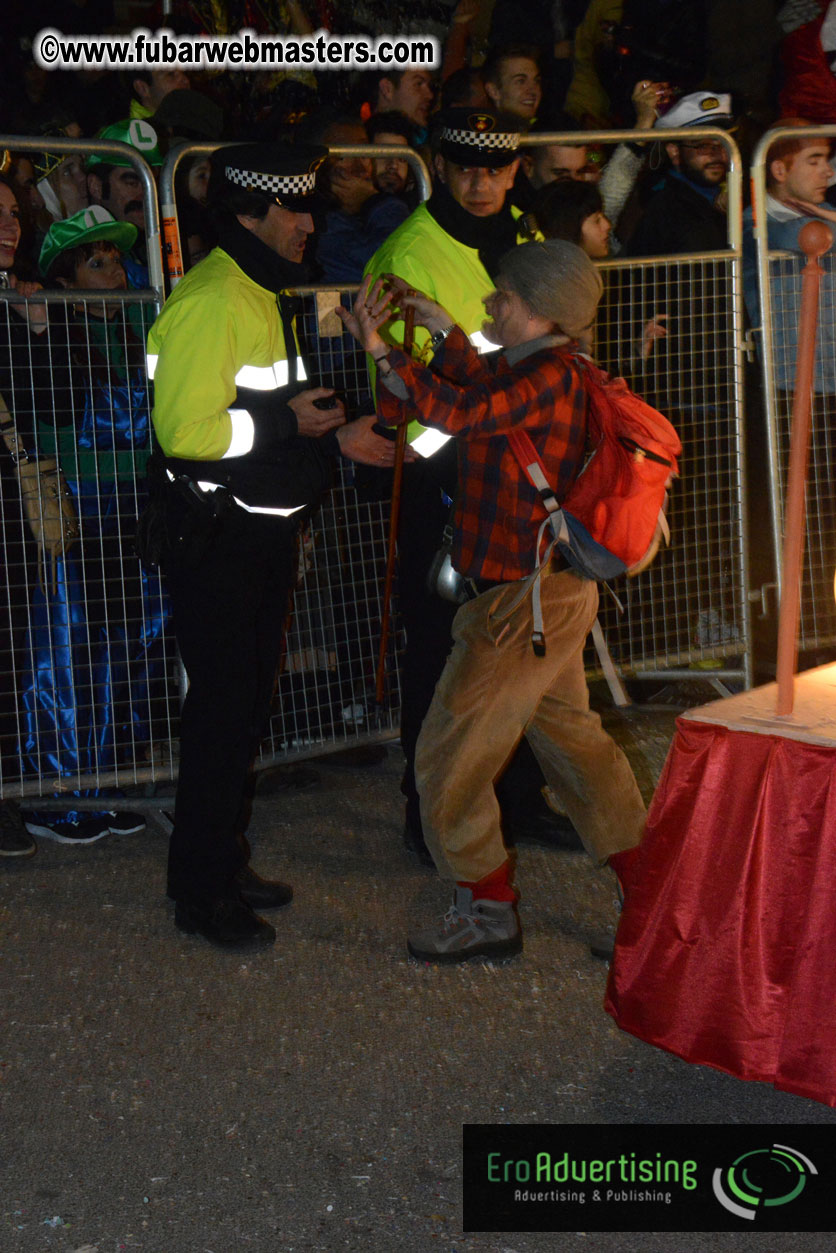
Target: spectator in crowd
587	99
465	87
191	190
62	182
391	174
115	184
459	42
798	172
23	174
407	91
512	81
573	210
548	163
495	689
359	217
95	637
621	172
150	87
23	177
688	214
549	26
184	115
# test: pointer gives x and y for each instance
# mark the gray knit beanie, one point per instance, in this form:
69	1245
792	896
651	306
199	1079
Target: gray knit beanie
556	280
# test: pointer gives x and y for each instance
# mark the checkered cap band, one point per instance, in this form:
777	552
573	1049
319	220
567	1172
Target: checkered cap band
274	184
482	139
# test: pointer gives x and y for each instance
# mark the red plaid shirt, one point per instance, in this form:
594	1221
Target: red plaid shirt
498	512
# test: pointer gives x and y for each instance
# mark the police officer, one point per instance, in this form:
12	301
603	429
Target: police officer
247	443
448	248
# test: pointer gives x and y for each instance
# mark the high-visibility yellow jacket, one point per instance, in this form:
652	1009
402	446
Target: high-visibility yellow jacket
222	379
430	259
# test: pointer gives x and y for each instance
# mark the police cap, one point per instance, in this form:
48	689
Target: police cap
284	173
478	137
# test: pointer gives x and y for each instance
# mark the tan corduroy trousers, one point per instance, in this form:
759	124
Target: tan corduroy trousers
494	690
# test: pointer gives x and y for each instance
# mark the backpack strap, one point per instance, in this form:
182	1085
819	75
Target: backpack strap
535	472
532	467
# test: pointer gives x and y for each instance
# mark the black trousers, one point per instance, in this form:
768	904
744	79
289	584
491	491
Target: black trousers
229	579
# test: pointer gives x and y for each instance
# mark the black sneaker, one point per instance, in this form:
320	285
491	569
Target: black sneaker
15	841
77	827
124	822
228	924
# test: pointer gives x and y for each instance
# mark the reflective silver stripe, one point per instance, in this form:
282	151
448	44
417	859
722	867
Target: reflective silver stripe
429	442
282	513
261	378
266	378
243	433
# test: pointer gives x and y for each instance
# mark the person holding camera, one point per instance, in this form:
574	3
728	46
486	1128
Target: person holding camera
247	445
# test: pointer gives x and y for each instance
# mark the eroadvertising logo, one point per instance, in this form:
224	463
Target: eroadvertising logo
659	1177
773	1176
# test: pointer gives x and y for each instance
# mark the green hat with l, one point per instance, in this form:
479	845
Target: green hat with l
134	131
85	227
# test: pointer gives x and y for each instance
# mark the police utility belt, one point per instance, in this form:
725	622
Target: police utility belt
218	499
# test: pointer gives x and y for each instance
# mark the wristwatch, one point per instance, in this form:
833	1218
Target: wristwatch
439	337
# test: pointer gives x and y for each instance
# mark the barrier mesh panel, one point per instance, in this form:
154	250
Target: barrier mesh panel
687	609
818	611
326	691
88	671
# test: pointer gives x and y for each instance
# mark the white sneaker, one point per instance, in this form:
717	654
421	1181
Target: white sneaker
481	928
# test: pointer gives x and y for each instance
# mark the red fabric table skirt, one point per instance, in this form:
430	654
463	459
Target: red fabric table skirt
726	949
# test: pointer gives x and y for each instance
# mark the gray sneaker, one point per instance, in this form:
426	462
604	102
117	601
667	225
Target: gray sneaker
470	928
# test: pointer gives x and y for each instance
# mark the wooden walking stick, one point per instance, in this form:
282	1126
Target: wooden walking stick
815	238
397	479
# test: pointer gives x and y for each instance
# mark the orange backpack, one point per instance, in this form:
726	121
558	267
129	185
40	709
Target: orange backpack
612	519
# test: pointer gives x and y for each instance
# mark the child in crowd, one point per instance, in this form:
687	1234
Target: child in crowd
96	639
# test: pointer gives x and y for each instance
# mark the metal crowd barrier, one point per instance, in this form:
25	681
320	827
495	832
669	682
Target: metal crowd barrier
687	616
779	288
88	688
688	610
326	691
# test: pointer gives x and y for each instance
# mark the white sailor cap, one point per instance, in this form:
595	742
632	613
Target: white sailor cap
700	108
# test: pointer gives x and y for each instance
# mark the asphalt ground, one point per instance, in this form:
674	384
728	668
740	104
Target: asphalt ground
160	1095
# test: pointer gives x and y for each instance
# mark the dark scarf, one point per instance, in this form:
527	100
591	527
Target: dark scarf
260	263
493	236
268	269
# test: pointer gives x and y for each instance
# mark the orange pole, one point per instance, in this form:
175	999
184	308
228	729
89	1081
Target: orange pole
815	239
394	514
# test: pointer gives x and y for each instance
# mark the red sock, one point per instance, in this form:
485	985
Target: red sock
495	886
